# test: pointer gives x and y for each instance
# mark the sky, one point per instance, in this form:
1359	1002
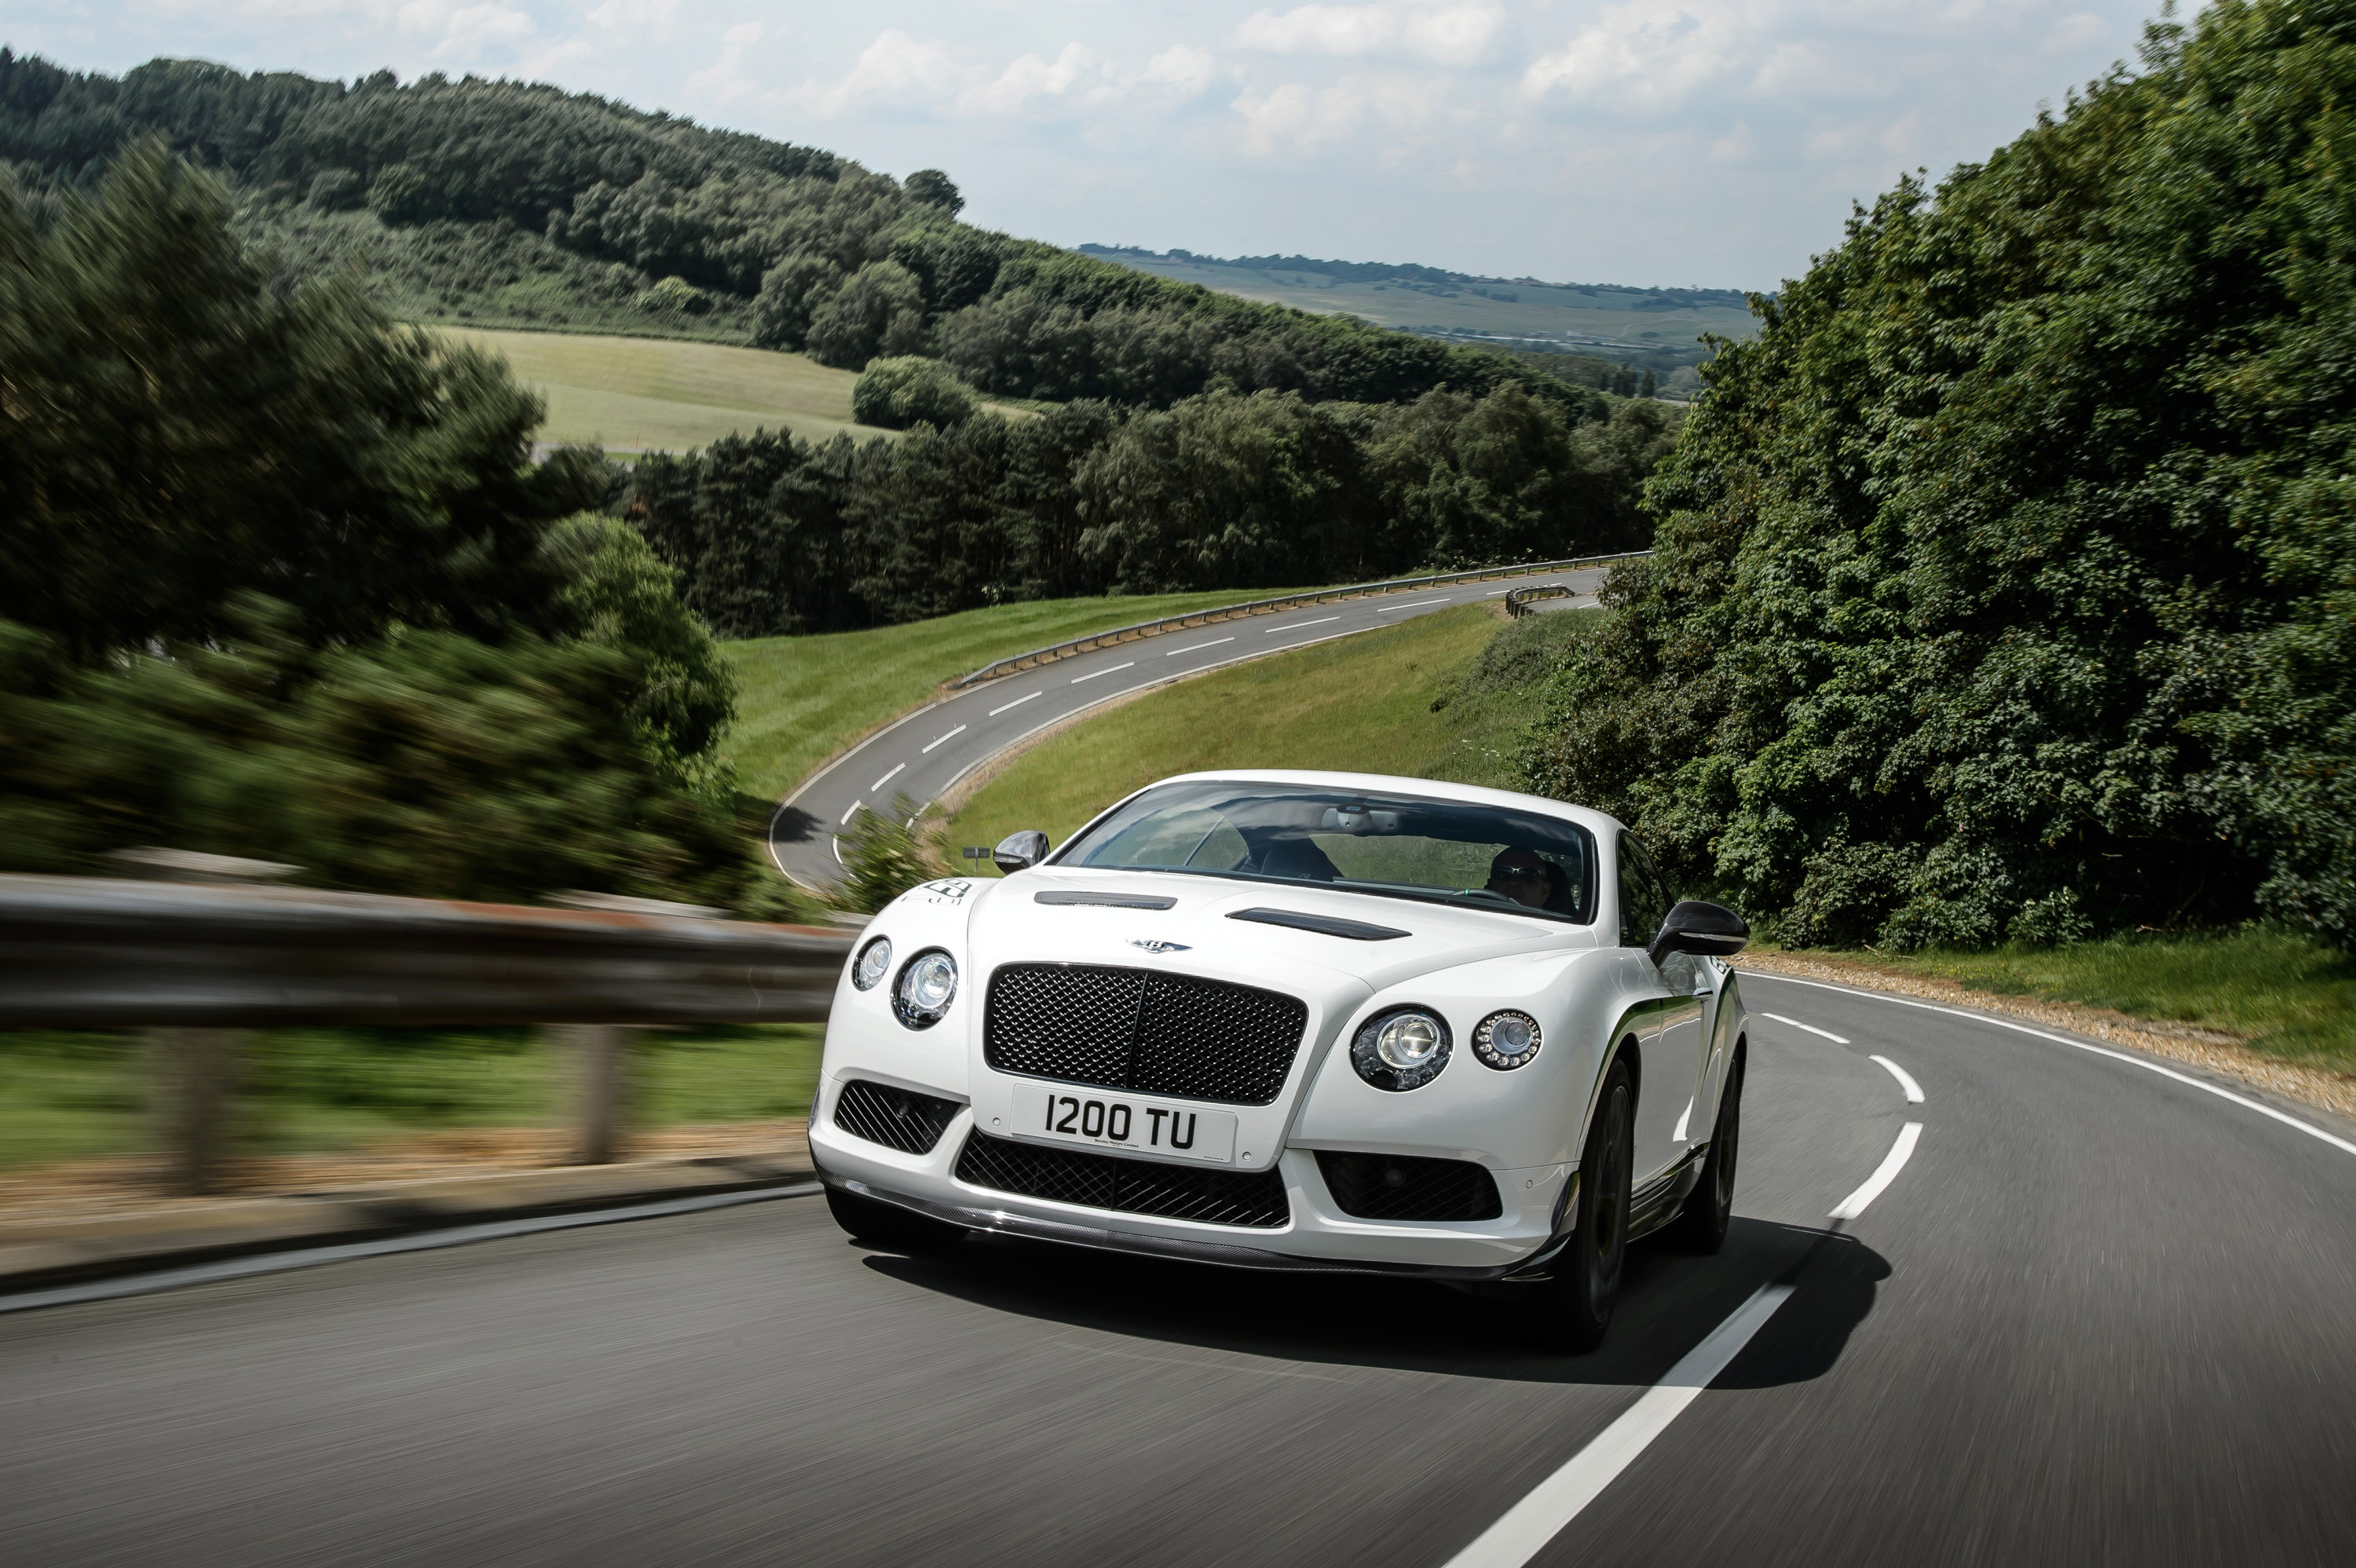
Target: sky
1676	142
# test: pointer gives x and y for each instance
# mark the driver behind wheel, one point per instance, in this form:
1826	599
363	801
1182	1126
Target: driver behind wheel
1529	879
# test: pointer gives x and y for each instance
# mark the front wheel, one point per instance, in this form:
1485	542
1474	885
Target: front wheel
888	1226
1701	1226
1574	1305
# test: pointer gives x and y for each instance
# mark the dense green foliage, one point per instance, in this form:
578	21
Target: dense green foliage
2004	581
771	535
910	390
278	578
849	262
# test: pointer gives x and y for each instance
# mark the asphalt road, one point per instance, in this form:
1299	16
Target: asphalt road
2100	1316
924	754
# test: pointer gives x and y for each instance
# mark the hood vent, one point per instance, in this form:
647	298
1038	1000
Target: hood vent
1108	900
1323	925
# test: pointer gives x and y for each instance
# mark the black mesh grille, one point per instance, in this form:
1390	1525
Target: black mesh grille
1405	1187
1132	1028
1127	1186
896	1118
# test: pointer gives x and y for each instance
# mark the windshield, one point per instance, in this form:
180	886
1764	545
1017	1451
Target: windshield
1394	846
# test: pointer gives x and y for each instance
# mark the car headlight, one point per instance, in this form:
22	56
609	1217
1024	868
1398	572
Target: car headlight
1401	1050
1507	1040
875	962
926	988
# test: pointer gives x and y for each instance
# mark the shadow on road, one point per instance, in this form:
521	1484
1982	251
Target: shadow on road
792	825
1671	1301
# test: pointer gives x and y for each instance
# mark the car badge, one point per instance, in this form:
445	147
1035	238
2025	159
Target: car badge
1157	946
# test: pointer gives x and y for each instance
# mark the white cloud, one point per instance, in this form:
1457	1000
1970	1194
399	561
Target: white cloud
896	68
2075	33
1077	71
1317	31
1182	70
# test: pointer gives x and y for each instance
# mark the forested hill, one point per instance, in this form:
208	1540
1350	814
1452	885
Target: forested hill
497	202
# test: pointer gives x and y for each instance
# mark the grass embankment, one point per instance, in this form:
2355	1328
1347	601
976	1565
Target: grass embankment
802	699
1444	695
71	1096
2276	993
649	394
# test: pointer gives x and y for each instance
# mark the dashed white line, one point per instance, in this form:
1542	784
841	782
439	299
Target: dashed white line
1836	1038
1887	1172
846	816
1494	591
1094	673
887	778
1386	609
1296	626
1906	1081
1538	1518
1196	647
1016	703
950	736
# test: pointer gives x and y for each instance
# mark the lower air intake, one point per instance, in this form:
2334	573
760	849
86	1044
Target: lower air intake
1407	1187
896	1118
1256	1198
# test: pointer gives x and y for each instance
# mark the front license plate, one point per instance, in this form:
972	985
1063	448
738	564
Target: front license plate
1134	1126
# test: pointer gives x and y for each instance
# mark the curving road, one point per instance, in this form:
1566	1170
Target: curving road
924	754
2098	1314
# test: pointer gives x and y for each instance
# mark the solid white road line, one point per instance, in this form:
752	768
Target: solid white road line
887	778
311	1257
2244	1102
1529	1524
1094	673
1494	591
1386	609
1016	703
1296	626
1906	1081
950	736
846	816
1891	1164
1196	647
1837	1040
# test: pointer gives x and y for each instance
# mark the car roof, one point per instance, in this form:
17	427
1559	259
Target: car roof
1594	821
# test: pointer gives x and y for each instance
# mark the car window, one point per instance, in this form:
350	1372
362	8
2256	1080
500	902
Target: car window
1497	858
1643	897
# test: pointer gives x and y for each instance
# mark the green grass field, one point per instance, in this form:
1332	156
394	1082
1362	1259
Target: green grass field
802	699
650	394
1362	703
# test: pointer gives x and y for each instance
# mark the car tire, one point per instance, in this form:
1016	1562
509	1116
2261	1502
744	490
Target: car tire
1701	1226
890	1227
1574	1305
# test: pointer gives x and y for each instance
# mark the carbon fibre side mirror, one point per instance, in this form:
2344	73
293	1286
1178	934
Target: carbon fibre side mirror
1020	851
1710	930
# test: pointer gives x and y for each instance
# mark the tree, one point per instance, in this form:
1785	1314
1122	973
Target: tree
897	393
791	293
880	309
930	188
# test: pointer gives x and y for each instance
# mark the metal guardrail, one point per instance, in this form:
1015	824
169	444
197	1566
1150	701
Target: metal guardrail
193	965
1089	643
1520	598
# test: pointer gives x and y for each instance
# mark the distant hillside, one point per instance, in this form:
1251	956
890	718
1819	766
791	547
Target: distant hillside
1646	328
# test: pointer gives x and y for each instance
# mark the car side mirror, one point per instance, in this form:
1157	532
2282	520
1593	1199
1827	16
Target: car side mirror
1020	851
1710	930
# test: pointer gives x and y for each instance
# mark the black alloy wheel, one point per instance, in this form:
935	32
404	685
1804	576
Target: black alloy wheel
889	1226
1701	1226
1574	1306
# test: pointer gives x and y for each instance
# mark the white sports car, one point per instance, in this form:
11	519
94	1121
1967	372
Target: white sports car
1299	1021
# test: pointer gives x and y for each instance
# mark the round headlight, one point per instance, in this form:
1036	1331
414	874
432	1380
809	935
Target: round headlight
874	963
1402	1050
926	987
1507	1040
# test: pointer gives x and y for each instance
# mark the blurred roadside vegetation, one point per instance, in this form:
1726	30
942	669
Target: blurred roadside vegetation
68	1096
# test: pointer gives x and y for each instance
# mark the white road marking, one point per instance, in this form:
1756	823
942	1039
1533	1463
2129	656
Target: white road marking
1906	1081
950	736
1529	1524
846	816
1016	703
1679	1135
1891	1164
310	1257
1494	591
1386	609
1837	1040
887	778
1094	673
2244	1102
1196	647
1298	625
